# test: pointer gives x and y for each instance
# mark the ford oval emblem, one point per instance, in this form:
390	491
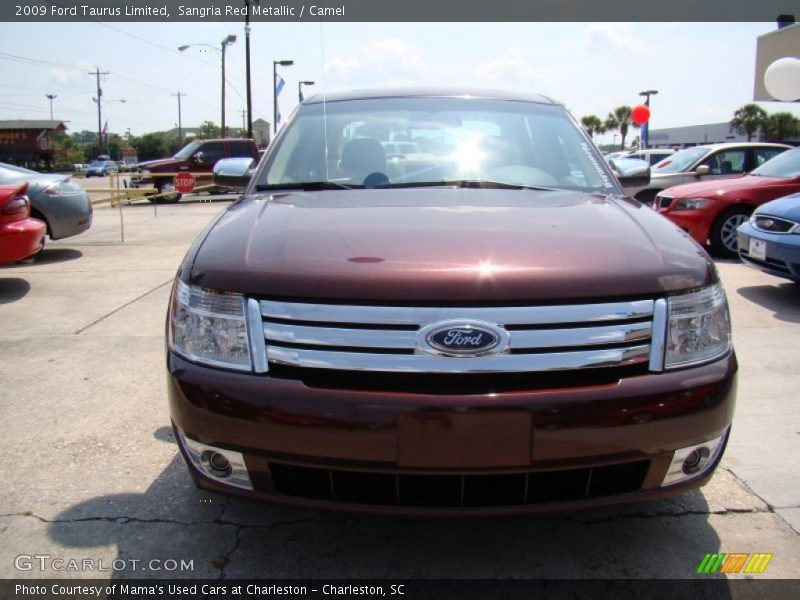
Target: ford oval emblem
463	338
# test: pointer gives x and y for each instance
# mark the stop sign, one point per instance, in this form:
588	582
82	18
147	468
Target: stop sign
184	182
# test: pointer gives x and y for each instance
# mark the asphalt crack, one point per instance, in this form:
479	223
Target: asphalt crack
119	308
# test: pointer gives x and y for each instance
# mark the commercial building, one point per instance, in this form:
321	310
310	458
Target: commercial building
29	143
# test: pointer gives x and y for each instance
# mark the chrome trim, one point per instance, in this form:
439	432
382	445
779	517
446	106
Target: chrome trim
239	476
658	341
582	336
337	336
425	363
255	335
401	315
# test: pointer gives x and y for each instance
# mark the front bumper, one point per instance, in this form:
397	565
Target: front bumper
782	252
66	215
548	450
694	222
20	239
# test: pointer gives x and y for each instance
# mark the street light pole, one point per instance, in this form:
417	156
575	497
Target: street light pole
51	97
300	85
247	67
228	40
275	63
646	127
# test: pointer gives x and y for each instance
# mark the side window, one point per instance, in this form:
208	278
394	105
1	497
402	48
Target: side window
212	151
240	149
762	155
727	162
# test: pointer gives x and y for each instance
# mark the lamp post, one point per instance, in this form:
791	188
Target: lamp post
249	128
51	97
646	127
300	85
275	63
230	39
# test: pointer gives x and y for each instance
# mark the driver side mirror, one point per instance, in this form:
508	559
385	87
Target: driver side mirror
702	170
234	172
631	172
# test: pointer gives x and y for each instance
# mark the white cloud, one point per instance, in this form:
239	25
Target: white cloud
386	61
68	75
612	37
513	66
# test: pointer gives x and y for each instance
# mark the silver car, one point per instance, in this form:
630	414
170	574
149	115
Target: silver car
701	163
55	199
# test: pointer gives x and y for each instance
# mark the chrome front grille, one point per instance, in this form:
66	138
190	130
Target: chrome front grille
774	224
387	338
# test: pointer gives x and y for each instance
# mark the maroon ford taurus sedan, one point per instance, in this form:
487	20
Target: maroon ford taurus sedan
479	324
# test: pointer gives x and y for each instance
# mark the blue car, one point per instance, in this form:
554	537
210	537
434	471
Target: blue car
101	168
770	240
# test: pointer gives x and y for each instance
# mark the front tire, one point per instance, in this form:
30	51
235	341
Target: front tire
723	232
170	198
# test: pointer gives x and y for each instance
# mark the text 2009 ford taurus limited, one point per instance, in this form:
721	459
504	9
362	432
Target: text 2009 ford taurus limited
430	302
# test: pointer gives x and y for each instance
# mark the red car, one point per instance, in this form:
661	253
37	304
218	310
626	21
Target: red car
20	236
711	211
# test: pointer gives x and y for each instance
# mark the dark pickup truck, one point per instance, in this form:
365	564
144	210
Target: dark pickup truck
477	321
197	157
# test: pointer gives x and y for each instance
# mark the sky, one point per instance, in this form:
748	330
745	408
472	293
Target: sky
702	71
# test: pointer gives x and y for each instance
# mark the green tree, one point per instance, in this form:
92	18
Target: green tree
748	119
593	125
208	130
620	119
151	145
779	127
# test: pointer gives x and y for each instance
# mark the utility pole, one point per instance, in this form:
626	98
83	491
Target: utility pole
180	124
244	124
97	72
51	97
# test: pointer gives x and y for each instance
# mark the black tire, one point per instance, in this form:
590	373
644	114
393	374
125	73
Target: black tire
169	199
723	231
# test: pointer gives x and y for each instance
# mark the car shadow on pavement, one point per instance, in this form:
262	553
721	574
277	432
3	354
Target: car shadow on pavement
13	289
172	519
57	255
782	299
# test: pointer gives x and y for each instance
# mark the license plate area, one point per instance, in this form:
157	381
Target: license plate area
445	439
757	249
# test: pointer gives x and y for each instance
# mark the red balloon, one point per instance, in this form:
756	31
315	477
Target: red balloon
640	114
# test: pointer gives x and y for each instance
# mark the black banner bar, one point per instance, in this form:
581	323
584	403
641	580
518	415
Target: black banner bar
711	588
398	10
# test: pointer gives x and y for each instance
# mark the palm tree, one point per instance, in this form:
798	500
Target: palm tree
748	119
779	127
620	119
593	125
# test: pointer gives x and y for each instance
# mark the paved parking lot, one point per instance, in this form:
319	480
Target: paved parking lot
91	470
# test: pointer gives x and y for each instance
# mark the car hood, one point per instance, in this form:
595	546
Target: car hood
721	187
37	181
160	162
446	245
787	207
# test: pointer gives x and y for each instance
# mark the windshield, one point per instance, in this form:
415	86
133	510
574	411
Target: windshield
187	151
786	164
425	140
97	163
681	160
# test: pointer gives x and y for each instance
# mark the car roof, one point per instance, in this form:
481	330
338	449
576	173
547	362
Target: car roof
739	145
428	93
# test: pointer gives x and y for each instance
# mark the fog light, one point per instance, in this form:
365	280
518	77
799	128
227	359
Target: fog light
694	460
697	459
216	464
221	464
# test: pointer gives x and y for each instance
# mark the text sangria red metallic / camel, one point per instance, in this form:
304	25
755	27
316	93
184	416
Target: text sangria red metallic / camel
481	324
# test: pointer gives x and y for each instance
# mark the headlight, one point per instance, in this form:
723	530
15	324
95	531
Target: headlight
62	188
699	327
209	327
691	204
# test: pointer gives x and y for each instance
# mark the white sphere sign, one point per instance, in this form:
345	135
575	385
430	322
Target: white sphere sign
782	79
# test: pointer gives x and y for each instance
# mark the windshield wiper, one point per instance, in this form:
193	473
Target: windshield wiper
308	186
469	183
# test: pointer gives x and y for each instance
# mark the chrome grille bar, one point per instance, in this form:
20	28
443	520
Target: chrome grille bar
393	315
424	363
